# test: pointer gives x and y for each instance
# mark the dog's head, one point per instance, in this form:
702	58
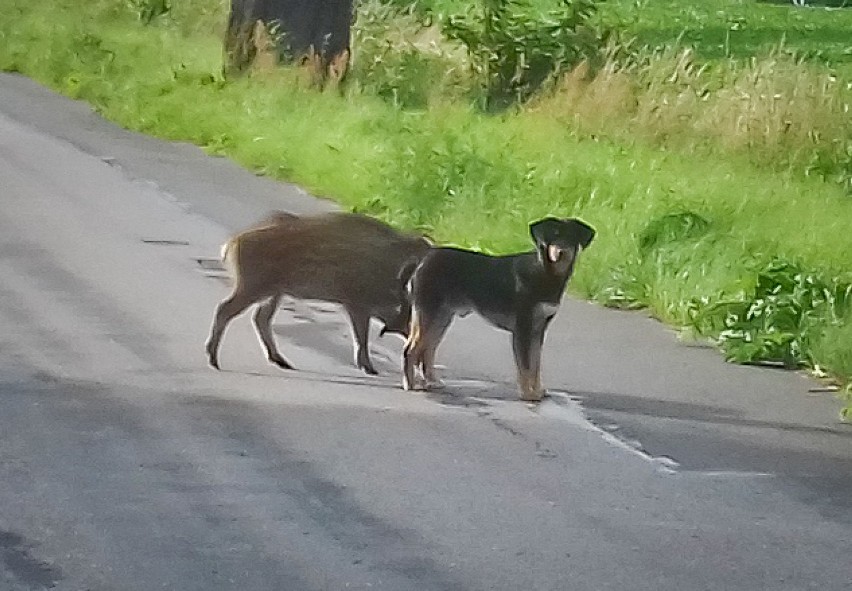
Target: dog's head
560	241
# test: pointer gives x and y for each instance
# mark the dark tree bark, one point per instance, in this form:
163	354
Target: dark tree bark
312	31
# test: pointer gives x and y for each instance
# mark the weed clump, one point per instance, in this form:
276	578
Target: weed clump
778	318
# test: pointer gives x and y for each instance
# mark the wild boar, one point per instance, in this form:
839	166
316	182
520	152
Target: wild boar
346	258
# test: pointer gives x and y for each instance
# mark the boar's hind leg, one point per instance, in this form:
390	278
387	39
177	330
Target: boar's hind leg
360	320
230	308
263	325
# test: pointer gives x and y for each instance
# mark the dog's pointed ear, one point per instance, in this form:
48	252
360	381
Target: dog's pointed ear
582	231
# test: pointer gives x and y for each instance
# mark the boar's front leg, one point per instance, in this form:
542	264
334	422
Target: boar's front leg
360	320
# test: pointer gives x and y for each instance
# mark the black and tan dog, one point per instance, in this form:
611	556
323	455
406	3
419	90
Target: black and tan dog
519	293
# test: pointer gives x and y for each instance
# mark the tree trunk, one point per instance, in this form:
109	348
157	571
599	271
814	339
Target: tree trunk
315	32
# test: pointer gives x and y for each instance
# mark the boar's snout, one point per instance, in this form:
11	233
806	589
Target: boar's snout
397	323
398	319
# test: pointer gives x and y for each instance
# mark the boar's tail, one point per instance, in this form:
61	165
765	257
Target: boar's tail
229	257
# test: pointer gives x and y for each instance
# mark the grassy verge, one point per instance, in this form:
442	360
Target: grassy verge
695	189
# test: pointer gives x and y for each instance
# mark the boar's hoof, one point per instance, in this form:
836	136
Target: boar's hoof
280	362
368	369
212	357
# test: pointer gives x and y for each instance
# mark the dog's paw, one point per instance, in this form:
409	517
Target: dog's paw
529	386
532	395
413	385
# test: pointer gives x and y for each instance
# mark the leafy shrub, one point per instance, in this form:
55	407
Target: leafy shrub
514	46
777	319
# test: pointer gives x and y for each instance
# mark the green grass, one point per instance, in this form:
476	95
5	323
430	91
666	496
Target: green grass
740	29
721	28
598	148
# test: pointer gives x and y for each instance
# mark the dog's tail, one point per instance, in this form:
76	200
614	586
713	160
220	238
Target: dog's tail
413	332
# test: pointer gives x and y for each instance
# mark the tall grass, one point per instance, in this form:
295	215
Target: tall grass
695	176
407	61
776	111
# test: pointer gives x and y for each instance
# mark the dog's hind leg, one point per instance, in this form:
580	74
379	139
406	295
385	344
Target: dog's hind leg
263	325
419	350
432	337
426	333
412	353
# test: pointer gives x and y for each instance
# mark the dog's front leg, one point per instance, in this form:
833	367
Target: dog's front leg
412	353
527	339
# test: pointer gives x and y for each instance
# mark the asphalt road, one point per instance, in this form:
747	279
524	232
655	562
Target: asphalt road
127	464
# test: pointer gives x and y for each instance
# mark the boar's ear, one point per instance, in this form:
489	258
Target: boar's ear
545	231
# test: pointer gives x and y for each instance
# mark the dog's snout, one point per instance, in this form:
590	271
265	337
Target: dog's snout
554	253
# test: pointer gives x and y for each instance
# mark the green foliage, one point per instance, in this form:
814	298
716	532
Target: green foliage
778	318
148	10
626	288
721	29
846	396
671	228
514	46
833	163
402	59
666	250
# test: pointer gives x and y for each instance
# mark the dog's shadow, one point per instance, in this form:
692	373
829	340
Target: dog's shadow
324	329
456	392
472	392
